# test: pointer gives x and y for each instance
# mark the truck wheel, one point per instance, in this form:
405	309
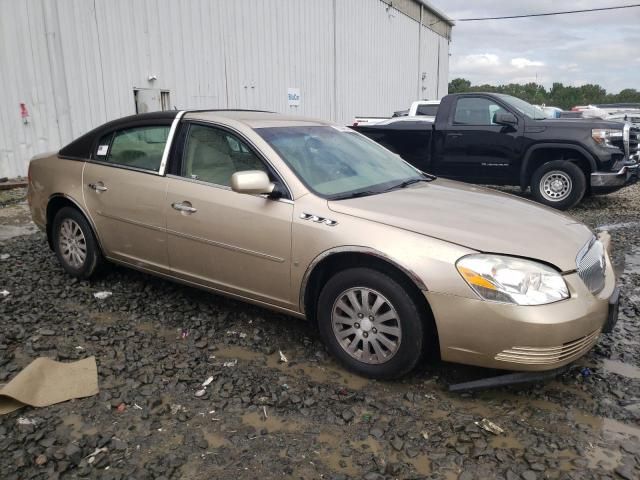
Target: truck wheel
559	184
74	243
370	323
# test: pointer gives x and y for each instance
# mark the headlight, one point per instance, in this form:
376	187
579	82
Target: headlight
606	136
512	280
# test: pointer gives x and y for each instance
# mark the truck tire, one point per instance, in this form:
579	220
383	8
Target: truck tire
559	184
370	323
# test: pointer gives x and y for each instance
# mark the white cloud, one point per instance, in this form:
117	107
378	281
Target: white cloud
597	47
525	62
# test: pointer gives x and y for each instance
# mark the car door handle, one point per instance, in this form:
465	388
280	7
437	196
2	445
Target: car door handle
453	135
184	207
98	187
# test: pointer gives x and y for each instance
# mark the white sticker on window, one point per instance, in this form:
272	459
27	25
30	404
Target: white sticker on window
103	149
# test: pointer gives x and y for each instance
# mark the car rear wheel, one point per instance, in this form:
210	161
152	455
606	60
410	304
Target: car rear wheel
370	323
74	243
559	184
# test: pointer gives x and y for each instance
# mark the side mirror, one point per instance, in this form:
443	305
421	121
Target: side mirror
505	118
251	182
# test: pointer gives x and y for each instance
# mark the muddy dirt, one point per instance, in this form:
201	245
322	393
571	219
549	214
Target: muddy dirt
157	342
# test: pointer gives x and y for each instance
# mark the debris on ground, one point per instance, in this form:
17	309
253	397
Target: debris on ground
4	293
283	359
489	426
102	295
45	382
4	256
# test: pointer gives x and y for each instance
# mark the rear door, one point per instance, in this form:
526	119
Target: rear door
237	243
472	147
126	197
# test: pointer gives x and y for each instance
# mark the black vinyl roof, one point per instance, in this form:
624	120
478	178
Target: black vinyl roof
83	146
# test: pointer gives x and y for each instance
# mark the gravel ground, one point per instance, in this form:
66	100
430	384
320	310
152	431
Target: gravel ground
156	342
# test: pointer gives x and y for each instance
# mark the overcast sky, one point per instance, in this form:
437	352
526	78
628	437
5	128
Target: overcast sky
597	47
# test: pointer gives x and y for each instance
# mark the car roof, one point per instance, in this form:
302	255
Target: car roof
82	146
253	118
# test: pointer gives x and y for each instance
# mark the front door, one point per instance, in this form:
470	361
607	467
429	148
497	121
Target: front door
236	243
473	147
126	198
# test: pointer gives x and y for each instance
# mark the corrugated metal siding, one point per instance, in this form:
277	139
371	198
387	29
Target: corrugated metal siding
376	59
75	63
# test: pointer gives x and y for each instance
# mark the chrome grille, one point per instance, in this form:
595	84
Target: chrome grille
591	265
549	355
630	139
634	139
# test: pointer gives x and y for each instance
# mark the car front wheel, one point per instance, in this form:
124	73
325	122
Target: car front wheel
74	243
370	323
559	184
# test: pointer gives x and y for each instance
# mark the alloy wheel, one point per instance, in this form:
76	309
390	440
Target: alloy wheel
72	243
366	325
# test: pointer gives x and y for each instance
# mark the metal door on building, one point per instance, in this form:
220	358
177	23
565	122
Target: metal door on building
151	100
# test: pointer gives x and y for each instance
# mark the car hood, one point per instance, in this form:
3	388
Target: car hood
475	217
587	123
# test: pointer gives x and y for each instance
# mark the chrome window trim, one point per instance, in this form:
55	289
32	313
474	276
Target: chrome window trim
169	144
123	167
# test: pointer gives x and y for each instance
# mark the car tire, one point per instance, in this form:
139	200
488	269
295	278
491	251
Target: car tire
560	184
345	323
75	244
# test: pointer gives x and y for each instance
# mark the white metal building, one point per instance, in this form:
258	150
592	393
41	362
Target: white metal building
67	66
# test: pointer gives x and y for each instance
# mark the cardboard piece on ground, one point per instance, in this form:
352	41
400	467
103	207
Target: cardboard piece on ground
45	382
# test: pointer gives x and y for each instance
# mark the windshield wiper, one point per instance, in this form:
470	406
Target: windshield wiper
411	181
363	193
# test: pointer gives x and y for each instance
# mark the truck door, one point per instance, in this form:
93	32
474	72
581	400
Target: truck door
472	147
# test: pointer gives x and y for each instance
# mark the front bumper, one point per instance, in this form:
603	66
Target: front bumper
523	338
607	182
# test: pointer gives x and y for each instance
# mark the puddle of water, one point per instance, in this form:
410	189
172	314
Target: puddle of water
320	373
601	457
632	262
506	441
617	226
271	423
325	374
215	439
235	352
77	426
11	231
620	368
608	426
169	334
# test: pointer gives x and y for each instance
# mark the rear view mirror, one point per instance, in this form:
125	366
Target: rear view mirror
505	118
251	182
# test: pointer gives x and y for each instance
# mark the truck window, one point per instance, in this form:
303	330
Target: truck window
427	110
475	111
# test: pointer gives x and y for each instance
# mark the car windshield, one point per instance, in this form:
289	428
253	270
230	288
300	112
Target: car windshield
525	108
338	163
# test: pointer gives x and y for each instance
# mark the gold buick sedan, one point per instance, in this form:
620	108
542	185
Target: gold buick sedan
318	221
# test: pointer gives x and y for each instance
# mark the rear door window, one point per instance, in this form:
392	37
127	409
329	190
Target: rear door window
139	147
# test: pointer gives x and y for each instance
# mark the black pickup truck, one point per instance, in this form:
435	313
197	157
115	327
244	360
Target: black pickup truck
498	139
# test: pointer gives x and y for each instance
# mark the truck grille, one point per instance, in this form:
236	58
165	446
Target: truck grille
549	355
591	265
630	138
634	138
